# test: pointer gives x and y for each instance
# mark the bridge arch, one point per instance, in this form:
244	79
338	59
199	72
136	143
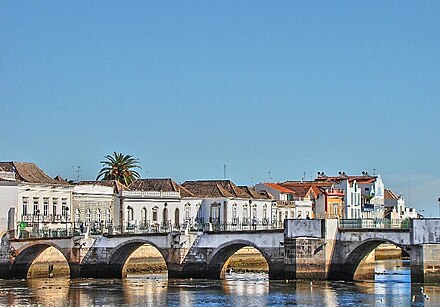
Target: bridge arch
122	252
219	257
26	255
359	252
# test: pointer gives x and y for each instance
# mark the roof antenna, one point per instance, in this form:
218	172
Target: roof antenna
77	172
270	178
224	171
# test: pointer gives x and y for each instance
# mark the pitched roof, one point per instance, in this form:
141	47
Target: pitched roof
388	194
214	188
185	192
155	184
278	187
300	189
117	186
28	172
254	194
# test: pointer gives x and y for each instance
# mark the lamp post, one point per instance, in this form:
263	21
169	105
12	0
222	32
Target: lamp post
37	213
67	214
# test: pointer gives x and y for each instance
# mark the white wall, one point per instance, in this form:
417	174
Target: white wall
8	199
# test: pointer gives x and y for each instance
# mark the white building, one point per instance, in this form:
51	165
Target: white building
292	202
96	204
152	203
396	208
352	191
223	202
32	200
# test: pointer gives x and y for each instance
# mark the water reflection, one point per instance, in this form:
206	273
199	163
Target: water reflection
393	289
146	289
49	291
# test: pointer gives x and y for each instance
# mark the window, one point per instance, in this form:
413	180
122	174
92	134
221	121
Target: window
45	206
129	213
144	215
25	205
36	209
245	212
234	211
98	215
109	216
77	215
155	214
188	212
54	206
199	213
88	217
64	209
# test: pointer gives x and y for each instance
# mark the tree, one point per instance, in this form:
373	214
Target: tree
119	167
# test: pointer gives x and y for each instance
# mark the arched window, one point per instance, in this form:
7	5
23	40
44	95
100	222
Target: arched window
177	217
155	209
109	216
98	215
265	219
188	212
234	214
245	214
88	217
77	215
144	216
129	213
165	216
199	216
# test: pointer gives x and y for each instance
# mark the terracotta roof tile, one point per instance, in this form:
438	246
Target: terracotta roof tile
278	187
155	184
214	188
28	172
254	194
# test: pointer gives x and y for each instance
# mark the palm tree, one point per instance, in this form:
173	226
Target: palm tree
119	167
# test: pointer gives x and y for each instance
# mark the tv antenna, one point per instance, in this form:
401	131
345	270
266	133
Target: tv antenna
77	172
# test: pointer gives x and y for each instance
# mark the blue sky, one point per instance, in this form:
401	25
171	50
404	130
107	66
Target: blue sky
284	87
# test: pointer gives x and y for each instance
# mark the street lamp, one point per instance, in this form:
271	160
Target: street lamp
36	228
67	214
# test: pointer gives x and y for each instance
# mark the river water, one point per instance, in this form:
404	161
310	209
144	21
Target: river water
392	287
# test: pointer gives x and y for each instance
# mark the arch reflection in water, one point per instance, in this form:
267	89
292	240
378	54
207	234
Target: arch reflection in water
151	290
49	291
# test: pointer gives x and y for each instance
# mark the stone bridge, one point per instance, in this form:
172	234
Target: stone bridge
305	249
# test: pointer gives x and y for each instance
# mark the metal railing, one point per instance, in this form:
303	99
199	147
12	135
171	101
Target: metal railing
45	233
241	226
142	229
373	224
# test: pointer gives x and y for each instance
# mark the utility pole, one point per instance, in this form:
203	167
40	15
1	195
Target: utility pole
224	171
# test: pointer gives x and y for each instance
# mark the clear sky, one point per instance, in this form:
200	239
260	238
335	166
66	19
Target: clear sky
284	87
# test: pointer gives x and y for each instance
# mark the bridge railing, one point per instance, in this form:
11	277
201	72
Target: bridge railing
45	233
373	224
240	226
